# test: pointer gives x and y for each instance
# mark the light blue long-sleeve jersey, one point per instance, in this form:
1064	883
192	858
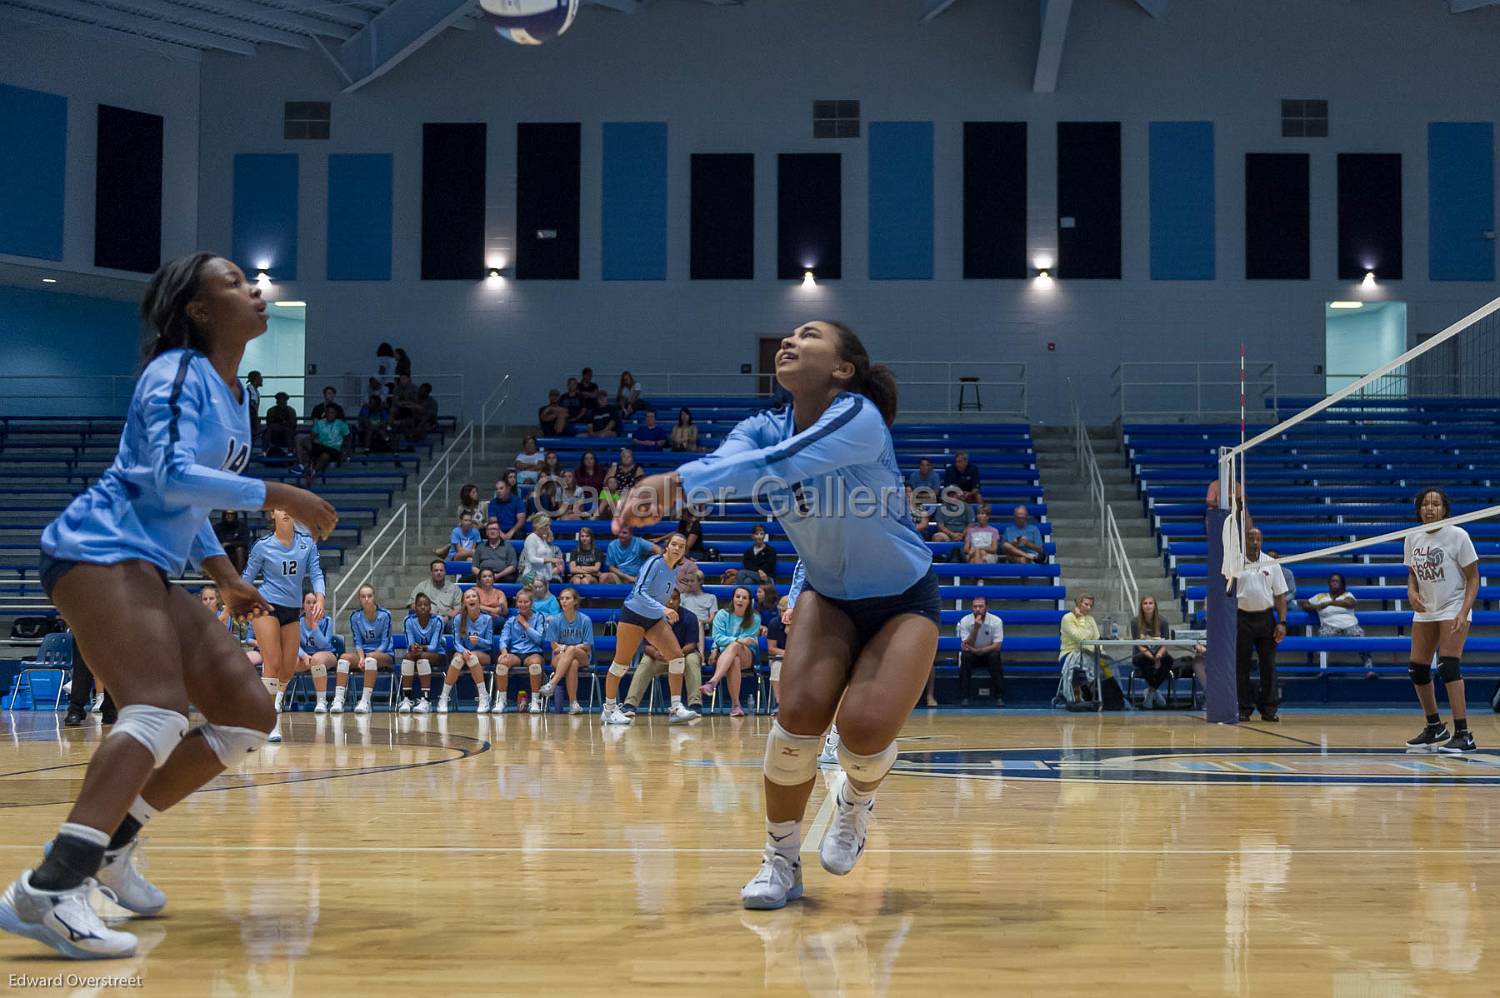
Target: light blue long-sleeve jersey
835	487
429	637
482	631
578	631
185	442
648	597
282	567
728	628
799	583
319	638
371	635
521	638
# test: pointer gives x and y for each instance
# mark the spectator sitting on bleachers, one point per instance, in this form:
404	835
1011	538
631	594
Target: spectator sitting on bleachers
573	400
543	603
926	480
767	606
609	498
1152	664
964	476
281	428
604	418
920	518
626	472
473	636
685	433
623	557
233	532
496	554
424	649
523	641
776	648
703	605
1287	575
628	398
329	433
690	526
315	649
586	564
982	540
952	518
552	418
649	436
736	638
254	382
590	473
1336	618
551	467
586	384
468	502
543	499
463	542
491	599
758	563
1022	540
305	440
375	433
571	634
443	595
689	633
406	412
427	411
507	510
570	500
980	635
528	463
541	556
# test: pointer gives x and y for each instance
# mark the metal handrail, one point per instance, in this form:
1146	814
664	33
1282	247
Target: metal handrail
1111	542
1260	384
444	464
342	590
490	407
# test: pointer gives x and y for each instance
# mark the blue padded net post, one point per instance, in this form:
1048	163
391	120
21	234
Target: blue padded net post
1221	693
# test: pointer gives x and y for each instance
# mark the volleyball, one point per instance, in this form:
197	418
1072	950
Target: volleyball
529	22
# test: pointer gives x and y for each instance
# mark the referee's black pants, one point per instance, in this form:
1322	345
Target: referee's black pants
1256	637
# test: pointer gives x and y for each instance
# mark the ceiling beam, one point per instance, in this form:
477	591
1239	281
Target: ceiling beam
1464	6
90	13
934	8
1049	49
192	17
274	17
1156	8
395	33
337	11
180	53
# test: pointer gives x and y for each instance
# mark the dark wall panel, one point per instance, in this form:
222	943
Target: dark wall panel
995	200
548	161
1277	217
1088	193
453	201
809	215
723	217
1370	215
127	190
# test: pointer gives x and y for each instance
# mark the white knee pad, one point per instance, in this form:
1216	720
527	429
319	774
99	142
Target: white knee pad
232	744
156	728
271	685
791	760
424	668
618	669
343	667
319	671
868	768
370	664
535	668
775	670
677	666
457	662
408	668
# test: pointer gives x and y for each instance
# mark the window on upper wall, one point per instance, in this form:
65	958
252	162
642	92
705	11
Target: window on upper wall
835	119
306	119
1304	119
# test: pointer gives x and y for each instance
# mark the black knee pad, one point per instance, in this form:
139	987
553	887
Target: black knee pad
1448	670
1421	673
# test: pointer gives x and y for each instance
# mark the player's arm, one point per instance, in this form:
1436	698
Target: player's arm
1471	592
1413	591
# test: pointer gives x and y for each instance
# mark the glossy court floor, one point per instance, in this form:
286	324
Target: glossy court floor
1013	854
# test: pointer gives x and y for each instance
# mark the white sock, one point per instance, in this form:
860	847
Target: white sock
323	696
610	705
443	696
786	838
853	796
141	811
676	701
364	695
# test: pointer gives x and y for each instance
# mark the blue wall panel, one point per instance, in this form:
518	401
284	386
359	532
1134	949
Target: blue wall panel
265	214
1182	201
33	152
635	201
359	217
51	340
901	201
1461	200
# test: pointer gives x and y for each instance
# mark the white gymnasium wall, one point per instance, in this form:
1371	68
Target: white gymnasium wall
89	72
741	79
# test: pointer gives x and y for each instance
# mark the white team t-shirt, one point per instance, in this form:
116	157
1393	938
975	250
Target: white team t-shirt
1438	558
1331	615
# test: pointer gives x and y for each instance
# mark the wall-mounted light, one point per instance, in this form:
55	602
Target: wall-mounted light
49	280
1043	277
262	277
1346	304
494	272
290	304
1369	281
808	281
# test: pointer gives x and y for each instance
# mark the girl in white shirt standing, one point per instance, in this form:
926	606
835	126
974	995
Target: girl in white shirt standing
1442	581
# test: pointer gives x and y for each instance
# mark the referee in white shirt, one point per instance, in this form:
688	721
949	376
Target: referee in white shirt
1261	593
980	635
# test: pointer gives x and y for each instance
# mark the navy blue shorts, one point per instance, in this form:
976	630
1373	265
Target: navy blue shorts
286	614
871	614
52	569
629	616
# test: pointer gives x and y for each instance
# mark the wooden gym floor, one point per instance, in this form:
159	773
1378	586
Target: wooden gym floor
1012	854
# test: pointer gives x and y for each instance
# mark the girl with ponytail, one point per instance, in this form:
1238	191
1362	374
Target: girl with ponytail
865	610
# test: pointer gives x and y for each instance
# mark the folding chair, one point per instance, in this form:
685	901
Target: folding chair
54	655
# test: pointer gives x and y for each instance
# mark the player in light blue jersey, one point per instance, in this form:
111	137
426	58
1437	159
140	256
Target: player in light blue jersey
865	626
370	634
571	633
646	614
315	652
523	641
281	560
424	649
473	646
105	565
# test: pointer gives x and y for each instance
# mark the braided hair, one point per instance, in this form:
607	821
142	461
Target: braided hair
874	381
164	308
